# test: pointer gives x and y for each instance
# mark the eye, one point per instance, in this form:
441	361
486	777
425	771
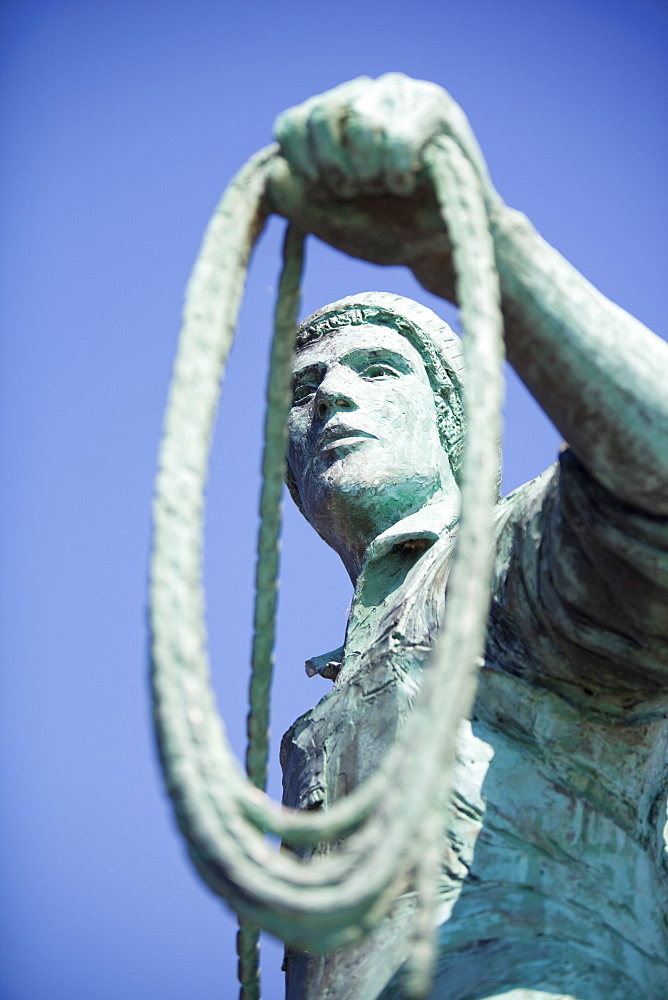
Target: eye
302	393
379	371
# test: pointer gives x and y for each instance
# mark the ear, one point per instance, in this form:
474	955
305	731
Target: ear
291	484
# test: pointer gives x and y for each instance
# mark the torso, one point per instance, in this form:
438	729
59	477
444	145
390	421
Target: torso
554	874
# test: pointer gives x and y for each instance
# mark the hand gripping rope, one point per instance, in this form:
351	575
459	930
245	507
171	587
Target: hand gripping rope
386	834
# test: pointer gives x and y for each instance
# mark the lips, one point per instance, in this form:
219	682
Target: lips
340	434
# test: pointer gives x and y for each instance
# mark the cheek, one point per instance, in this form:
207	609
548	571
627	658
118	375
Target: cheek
298	425
412	415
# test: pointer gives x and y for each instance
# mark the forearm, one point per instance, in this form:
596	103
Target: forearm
599	374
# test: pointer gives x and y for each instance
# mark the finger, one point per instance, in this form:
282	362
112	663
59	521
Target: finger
401	157
362	137
399	113
401	165
327	132
414	115
290	129
326	144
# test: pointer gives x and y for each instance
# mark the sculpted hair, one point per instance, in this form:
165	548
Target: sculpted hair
438	346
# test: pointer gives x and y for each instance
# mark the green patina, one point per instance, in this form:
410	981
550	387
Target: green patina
507	841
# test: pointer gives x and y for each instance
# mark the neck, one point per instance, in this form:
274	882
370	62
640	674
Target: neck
352	524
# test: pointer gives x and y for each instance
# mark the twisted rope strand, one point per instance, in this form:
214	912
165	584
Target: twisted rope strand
273	477
203	777
328	901
248	967
268	550
469	586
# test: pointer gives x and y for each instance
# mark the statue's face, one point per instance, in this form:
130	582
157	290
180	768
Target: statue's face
363	425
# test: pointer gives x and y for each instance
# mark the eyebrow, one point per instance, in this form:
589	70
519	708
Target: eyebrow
357	354
307	371
380	354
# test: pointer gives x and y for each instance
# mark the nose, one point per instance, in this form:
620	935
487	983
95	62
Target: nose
334	393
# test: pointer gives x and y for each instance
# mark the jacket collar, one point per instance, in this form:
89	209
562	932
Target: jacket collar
419	530
425	525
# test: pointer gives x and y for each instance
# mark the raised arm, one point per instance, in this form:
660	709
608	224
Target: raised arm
357	181
599	374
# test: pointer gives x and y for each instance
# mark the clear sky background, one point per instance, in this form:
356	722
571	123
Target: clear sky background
121	124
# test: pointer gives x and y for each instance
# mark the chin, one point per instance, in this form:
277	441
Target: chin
359	493
346	479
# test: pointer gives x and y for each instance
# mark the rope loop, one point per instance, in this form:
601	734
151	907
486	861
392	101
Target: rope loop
385	835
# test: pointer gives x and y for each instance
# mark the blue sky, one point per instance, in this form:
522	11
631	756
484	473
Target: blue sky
121	124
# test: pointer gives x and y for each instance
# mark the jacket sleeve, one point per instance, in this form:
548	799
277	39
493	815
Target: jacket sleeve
581	591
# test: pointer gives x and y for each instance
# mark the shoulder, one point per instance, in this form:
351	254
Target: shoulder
581	587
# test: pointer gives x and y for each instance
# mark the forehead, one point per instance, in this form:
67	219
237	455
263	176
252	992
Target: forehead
337	344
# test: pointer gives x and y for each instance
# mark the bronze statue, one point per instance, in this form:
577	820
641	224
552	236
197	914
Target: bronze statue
553	867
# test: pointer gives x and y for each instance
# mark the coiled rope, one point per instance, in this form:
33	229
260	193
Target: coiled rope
388	830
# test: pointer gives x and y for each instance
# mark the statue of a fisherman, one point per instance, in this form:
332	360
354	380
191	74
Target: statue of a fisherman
555	864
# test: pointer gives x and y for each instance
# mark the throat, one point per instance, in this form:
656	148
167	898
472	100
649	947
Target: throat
359	534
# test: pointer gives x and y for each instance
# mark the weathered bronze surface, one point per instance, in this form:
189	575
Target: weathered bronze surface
554	858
